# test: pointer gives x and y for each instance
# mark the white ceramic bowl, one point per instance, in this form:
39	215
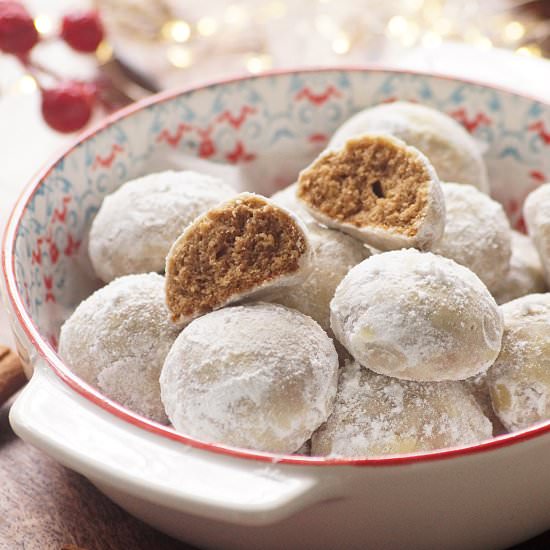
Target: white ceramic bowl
488	495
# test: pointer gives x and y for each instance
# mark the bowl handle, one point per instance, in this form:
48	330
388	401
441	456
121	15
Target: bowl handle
113	452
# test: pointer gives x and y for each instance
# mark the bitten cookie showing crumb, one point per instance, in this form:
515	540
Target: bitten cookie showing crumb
519	381
137	224
477	234
378	190
525	275
536	211
241	248
417	316
334	255
453	152
260	376
117	340
375	415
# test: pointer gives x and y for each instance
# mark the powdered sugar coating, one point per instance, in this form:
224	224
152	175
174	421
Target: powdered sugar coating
532	308
536	211
287	199
519	381
454	154
334	254
376	415
258	376
117	339
417	316
477	233
526	275
137	224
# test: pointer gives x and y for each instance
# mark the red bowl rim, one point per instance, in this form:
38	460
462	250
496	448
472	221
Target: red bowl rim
47	352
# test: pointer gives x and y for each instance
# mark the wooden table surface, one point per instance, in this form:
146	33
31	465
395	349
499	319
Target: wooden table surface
44	506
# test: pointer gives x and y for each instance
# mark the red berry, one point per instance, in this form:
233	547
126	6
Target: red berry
83	31
68	106
18	34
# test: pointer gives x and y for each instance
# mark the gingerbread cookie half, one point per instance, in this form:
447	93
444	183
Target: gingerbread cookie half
379	190
453	152
243	247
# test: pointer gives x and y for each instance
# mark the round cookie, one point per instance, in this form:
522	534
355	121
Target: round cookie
376	415
455	154
417	316
536	211
287	199
525	275
519	381
334	254
136	225
245	247
116	340
259	376
477	233
378	190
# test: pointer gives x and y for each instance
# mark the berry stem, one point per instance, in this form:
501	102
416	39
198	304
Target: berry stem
35	67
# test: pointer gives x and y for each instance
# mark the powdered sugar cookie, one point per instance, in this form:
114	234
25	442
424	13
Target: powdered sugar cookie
519	381
287	199
536	211
525	275
260	376
417	316
334	254
477	233
137	224
117	339
241	248
378	190
377	415
454	154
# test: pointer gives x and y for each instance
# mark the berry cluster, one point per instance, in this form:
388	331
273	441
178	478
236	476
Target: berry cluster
68	106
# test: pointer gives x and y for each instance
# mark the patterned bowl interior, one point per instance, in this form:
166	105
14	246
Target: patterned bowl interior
264	129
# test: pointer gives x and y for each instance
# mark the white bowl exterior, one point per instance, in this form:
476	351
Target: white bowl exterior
268	128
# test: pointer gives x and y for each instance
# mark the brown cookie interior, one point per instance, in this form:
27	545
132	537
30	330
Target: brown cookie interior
231	250
372	181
